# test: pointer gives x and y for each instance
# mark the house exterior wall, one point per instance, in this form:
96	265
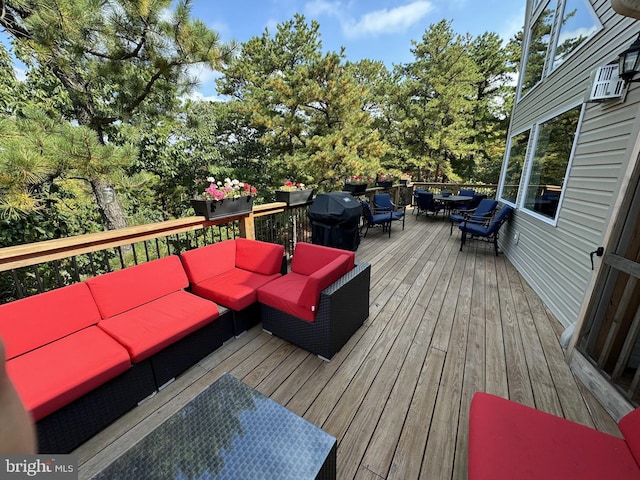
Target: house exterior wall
554	258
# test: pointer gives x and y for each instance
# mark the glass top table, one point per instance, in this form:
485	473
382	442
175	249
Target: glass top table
229	431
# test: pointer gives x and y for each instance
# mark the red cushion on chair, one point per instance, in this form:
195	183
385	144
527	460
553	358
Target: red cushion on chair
235	289
206	262
321	279
151	327
46	317
117	292
259	257
630	428
284	294
309	258
509	441
56	374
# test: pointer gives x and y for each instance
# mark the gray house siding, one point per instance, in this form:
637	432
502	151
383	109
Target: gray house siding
554	259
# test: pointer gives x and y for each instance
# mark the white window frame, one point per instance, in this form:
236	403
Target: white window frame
548	67
533	141
505	164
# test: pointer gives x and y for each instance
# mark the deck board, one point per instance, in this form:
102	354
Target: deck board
443	324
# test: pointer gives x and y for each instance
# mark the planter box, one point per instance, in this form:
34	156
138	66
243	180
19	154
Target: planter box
355	189
384	184
294	197
229	207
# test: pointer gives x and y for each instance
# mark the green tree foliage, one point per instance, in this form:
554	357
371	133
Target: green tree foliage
114	58
306	105
438	87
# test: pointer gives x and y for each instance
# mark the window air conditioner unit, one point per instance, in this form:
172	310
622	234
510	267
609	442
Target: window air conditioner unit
606	84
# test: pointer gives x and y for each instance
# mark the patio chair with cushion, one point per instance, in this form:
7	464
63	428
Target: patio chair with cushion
321	302
374	218
483	212
414	200
382	203
427	205
489	231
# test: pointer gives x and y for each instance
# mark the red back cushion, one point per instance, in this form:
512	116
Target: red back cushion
321	279
31	322
258	257
630	427
206	262
308	258
117	292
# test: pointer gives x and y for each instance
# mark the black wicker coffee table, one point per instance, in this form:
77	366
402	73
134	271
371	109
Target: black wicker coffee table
229	431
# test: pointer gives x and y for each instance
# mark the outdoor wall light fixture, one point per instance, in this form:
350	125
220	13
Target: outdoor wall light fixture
629	62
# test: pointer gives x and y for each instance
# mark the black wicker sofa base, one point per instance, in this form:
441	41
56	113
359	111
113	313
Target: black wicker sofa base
343	308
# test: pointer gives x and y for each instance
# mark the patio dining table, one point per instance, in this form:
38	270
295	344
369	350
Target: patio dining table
451	200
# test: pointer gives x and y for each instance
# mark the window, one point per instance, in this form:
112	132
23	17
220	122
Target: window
513	169
578	24
552	151
539	40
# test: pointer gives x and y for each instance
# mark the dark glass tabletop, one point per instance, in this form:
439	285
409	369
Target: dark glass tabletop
229	431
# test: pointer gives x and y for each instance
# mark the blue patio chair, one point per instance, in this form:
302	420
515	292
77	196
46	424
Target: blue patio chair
373	218
465	206
416	192
427	205
487	231
382	203
481	214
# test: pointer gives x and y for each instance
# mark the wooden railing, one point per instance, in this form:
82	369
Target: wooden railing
36	267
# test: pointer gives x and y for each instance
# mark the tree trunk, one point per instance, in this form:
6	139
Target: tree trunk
108	203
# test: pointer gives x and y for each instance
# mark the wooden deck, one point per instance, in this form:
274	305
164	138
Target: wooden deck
443	324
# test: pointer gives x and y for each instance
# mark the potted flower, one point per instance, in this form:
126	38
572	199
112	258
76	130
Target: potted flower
230	198
385	180
294	193
356	184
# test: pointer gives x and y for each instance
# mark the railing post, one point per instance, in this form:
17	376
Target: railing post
248	227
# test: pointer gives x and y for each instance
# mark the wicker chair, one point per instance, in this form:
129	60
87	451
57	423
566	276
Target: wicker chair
342	308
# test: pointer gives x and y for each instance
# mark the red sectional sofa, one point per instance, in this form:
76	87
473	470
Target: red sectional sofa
146	309
64	365
81	356
230	273
508	441
319	304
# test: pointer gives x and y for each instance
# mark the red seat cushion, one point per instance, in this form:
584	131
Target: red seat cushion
151	327
56	374
235	289
509	441
630	428
46	317
117	292
284	294
299	294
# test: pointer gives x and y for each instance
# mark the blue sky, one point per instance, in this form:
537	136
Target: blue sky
375	29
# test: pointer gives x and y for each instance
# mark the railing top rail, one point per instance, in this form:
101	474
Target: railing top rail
19	256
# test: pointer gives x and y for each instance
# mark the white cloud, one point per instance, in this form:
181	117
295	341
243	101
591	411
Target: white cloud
371	23
512	26
21	73
387	20
196	96
323	7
